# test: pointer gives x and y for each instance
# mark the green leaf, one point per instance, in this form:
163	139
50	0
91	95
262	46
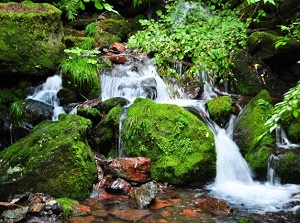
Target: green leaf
180	56
159	12
98	5
295	113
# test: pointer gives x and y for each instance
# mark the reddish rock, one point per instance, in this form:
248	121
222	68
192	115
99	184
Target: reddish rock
119	186
133	169
90	103
215	206
130	214
193	213
160	204
120	59
85	219
81	209
118	47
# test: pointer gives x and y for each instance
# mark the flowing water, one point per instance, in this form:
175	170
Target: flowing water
47	93
234	182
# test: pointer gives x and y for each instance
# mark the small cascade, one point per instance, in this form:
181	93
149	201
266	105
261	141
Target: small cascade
47	93
120	142
272	177
282	140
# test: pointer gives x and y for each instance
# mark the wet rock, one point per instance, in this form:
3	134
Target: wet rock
82	219
130	214
135	169
119	186
93	103
118	48
15	215
144	195
120	59
214	206
159	204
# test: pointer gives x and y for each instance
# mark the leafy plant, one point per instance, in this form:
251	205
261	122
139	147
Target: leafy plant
71	7
137	3
15	112
291	31
286	110
90	29
202	36
81	69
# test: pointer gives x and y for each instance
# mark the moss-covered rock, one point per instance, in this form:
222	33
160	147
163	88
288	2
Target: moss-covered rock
55	159
91	113
220	109
252	136
262	45
104	137
180	146
30	38
289	167
293	130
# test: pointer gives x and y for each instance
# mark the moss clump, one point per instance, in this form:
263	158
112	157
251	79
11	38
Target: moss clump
91	113
180	146
104	137
289	168
55	159
30	38
293	130
220	109
67	206
251	135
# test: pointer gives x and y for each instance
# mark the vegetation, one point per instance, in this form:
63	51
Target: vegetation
71	7
203	36
68	206
16	112
80	72
286	110
180	146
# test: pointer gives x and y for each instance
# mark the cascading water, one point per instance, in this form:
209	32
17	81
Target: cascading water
234	182
282	140
47	93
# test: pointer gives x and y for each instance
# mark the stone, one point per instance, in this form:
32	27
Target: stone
119	186
54	158
144	195
130	214
120	59
214	206
135	169
118	47
31	38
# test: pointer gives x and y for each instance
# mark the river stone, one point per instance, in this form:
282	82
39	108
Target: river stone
144	195
31	36
54	158
181	147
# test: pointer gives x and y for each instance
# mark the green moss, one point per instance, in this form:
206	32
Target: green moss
220	108
55	159
289	168
92	113
67	206
180	146
40	27
252	136
105	135
293	130
86	43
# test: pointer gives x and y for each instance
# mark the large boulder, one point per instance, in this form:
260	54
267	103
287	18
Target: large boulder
30	38
55	159
180	146
252	136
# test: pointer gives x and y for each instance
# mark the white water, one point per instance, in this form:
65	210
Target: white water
282	140
47	93
234	182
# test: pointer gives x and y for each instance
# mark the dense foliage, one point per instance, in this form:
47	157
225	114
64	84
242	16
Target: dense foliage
203	36
286	110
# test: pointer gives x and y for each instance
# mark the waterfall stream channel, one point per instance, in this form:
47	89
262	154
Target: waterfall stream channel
261	201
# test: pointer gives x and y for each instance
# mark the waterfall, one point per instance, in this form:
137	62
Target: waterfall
233	182
272	177
47	93
282	140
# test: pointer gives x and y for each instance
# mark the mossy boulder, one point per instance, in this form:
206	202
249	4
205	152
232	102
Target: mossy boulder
262	45
220	109
30	38
252	136
293	130
54	159
289	167
104	137
180	146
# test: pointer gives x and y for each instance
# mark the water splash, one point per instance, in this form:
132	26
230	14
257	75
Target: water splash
272	177
47	93
282	140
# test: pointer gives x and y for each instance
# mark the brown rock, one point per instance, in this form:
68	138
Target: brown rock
120	59
119	186
118	47
215	206
133	169
131	214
